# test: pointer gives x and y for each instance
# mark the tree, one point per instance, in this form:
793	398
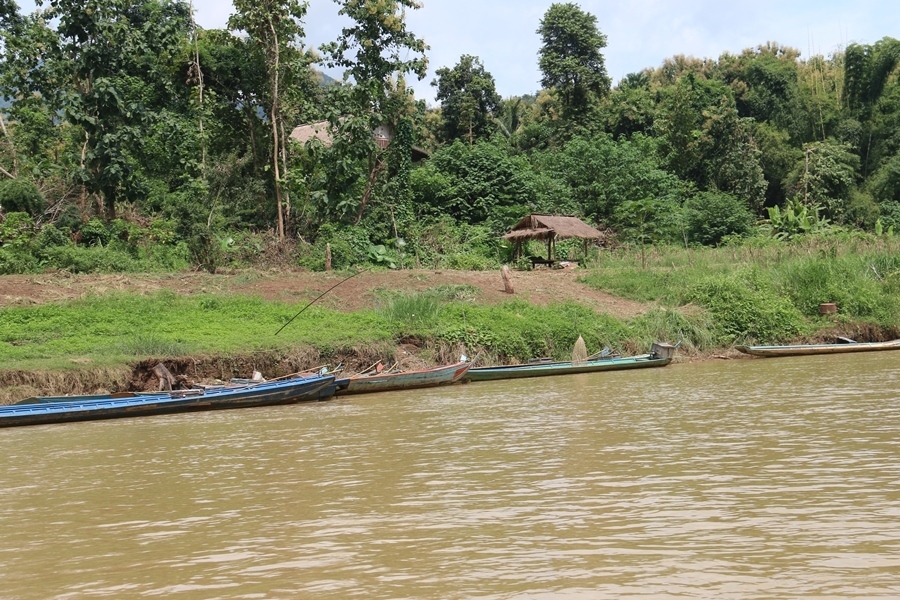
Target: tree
477	184
468	99
570	58
110	51
712	216
647	221
731	158
631	108
600	174
870	94
274	27
28	78
826	178
376	52
765	86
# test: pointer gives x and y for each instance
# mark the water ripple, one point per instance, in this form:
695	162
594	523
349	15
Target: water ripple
749	479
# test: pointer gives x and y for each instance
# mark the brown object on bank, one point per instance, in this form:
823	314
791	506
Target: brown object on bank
827	308
166	380
507	284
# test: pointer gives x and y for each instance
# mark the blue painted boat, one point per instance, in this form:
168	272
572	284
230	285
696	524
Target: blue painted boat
660	355
86	408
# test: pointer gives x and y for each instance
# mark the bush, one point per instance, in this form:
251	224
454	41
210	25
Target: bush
743	309
19	195
17	230
50	236
79	259
16	261
95	233
349	246
711	217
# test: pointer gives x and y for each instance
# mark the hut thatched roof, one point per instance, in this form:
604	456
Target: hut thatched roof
543	227
321	130
318	131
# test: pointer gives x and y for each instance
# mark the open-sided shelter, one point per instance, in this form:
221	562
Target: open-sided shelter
550	228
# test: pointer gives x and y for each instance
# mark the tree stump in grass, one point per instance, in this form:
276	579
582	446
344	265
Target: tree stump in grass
507	284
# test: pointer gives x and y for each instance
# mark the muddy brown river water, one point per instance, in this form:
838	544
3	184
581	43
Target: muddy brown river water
750	479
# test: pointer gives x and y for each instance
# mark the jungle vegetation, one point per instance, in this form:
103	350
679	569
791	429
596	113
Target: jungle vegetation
132	139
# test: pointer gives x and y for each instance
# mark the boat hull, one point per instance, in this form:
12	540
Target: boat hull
89	408
408	380
565	368
813	349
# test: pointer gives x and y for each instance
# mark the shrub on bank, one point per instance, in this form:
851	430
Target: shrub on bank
743	309
852	282
765	292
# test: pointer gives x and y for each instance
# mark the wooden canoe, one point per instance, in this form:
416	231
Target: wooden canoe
660	356
405	380
810	349
86	408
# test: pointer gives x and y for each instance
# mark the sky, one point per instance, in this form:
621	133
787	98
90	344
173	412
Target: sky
640	33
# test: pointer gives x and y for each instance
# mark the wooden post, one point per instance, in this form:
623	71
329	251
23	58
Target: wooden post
328	256
507	284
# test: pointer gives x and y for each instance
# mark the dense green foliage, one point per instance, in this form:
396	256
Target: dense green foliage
469	101
128	131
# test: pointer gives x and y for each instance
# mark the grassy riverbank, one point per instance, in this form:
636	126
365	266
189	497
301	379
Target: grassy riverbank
768	293
708	299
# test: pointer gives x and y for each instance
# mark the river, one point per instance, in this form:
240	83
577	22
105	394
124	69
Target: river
756	479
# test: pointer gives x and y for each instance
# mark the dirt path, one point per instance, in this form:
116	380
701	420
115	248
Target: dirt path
541	286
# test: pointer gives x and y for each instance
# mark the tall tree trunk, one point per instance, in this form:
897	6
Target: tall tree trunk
276	138
12	150
284	167
199	74
370	185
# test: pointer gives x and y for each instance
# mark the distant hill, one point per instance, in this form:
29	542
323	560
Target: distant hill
326	79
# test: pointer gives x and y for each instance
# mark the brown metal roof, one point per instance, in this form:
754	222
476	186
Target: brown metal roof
542	227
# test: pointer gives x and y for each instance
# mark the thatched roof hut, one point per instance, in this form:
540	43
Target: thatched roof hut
551	228
318	131
321	130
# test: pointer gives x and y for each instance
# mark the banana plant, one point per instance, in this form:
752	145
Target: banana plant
796	219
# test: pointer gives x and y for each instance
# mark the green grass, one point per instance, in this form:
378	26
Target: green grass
117	328
708	299
762	291
120	329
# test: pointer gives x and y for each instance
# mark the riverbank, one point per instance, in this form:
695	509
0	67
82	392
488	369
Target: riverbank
74	334
340	293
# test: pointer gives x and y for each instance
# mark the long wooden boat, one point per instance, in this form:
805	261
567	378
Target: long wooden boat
810	349
86	408
660	355
406	380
